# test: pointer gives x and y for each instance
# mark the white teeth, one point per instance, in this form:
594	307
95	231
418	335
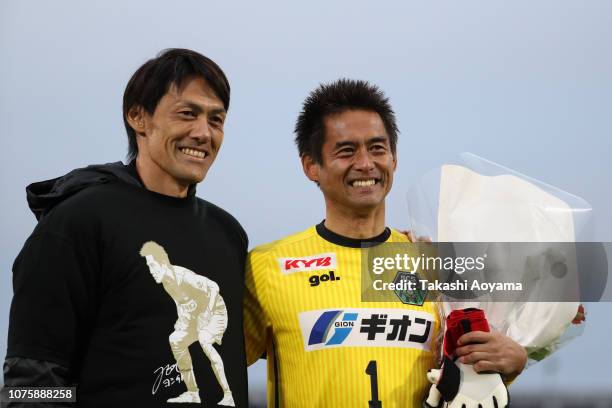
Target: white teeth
194	153
364	183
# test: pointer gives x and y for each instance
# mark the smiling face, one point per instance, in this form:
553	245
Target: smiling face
356	172
178	143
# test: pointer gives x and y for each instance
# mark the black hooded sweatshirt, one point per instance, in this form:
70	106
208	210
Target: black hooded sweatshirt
88	310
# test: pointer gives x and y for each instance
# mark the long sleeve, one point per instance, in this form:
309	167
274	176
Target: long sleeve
52	308
256	322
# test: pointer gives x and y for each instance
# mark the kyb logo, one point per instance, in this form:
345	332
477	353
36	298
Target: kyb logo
315	280
403	328
307	263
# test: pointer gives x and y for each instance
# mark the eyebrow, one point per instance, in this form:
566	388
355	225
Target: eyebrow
375	139
378	139
198	109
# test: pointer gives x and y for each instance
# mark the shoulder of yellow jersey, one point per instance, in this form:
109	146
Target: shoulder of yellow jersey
281	245
296	240
397	236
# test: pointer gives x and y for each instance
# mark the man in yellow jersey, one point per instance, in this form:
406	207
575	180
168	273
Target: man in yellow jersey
303	308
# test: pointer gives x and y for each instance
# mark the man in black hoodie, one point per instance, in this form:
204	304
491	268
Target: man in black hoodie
85	310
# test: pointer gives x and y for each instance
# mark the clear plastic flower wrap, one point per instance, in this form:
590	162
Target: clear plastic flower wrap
476	200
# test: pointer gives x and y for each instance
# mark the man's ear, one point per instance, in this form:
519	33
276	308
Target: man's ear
394	161
136	119
311	169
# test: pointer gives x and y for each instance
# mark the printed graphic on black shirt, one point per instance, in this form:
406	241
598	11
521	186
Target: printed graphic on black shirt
202	317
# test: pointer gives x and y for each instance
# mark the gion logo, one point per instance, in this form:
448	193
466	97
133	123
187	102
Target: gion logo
307	263
342	328
388	327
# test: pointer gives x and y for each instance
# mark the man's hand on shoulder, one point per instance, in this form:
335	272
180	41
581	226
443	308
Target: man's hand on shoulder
413	237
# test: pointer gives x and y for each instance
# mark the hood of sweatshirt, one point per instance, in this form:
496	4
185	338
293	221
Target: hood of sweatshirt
42	196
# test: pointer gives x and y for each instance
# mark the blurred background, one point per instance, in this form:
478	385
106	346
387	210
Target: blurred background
527	84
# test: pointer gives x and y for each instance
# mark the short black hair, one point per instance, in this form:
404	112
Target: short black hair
337	97
155	77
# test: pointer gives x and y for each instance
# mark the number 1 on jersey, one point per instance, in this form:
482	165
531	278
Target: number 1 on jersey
373	373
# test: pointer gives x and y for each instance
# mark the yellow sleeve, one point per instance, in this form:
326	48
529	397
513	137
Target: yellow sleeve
256	323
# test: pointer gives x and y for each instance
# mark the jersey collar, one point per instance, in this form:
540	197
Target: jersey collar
341	240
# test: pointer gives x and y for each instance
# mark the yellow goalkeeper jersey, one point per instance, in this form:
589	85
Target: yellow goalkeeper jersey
324	346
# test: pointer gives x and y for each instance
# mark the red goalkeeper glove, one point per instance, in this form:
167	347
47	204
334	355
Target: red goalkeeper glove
458	385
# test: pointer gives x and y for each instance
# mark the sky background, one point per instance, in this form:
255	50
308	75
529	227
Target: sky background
527	84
